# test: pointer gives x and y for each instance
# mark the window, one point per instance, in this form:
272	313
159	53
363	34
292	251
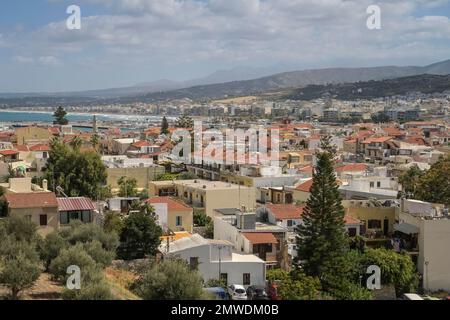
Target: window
372	184
352	232
374	224
86	217
64	218
193	263
246	280
290	223
43	220
224	278
378	184
179	221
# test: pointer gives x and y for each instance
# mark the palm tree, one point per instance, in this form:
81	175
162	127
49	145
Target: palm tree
95	141
76	143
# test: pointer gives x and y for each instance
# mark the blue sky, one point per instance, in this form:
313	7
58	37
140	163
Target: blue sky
124	42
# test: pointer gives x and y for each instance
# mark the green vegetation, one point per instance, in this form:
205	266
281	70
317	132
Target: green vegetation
19	262
322	240
431	186
184	122
127	187
78	173
60	116
140	236
295	285
169	280
164	126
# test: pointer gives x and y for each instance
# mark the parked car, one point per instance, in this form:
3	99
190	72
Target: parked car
257	293
218	292
237	292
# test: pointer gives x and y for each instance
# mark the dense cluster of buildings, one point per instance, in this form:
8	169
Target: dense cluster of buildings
255	208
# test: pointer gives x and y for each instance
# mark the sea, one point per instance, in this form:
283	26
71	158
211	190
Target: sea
47	117
121	121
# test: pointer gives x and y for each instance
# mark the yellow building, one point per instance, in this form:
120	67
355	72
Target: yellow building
33	135
180	217
208	195
378	220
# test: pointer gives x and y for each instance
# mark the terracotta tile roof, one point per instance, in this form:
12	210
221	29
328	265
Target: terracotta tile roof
352	167
394	132
285	211
308	169
75	204
8	152
141	143
260	237
54	130
375	140
305	186
40	147
350	220
21	148
171	203
31	200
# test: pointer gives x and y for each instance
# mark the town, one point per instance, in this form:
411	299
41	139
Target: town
126	197
224	157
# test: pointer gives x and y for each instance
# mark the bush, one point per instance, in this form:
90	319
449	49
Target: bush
20	266
169	280
85	233
93	286
100	255
140	237
72	256
113	223
21	228
50	248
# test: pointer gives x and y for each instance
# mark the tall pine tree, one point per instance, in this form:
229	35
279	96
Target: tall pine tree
164	126
322	240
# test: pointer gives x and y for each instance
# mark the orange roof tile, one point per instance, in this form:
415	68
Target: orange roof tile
260	237
305	186
285	211
31	200
172	204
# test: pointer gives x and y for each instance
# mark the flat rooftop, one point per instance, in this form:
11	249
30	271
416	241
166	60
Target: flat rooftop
210	185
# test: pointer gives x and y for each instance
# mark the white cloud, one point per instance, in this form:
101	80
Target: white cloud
179	33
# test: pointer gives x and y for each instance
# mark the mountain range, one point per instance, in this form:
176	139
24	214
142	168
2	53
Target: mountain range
233	82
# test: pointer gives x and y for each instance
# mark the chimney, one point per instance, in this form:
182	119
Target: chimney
45	185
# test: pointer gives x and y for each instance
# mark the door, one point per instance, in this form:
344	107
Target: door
43	220
386	227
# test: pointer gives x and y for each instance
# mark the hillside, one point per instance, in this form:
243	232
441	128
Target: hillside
374	89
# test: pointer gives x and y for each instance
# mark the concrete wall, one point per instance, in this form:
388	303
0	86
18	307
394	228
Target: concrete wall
209	265
435	250
142	175
52	218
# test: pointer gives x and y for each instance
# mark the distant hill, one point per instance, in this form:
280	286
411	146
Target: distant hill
297	79
374	89
155	92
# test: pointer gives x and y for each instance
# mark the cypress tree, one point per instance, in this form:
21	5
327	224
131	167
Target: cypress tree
322	240
164	126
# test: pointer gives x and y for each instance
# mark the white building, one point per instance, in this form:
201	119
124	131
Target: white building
426	230
216	257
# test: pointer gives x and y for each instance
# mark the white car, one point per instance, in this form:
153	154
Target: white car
237	292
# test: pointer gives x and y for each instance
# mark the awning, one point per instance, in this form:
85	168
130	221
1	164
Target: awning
406	228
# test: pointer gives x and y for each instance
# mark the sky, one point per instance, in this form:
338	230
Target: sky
125	42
